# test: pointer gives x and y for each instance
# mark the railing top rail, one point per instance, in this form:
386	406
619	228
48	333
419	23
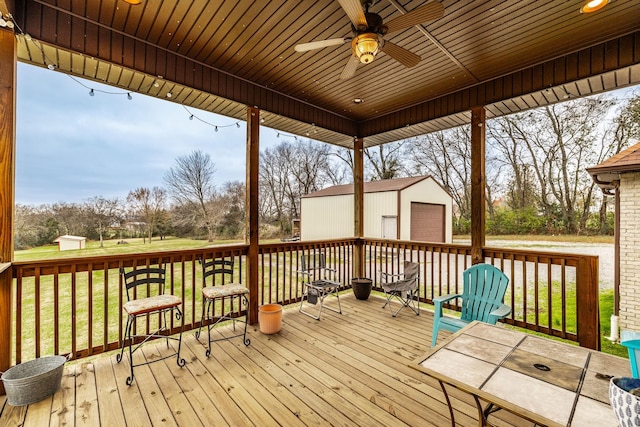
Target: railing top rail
307	244
114	261
540	256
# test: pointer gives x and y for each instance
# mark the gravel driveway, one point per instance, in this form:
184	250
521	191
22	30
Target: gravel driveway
603	250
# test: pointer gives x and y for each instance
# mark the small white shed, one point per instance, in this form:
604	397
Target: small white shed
68	243
414	208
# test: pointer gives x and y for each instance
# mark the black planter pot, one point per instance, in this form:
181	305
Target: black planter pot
361	287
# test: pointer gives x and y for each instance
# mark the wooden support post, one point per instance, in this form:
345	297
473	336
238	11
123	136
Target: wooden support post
358	206
251	207
478	202
587	303
7	188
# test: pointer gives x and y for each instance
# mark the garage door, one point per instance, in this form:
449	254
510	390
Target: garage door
427	222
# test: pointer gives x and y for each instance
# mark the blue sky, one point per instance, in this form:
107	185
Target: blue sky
71	146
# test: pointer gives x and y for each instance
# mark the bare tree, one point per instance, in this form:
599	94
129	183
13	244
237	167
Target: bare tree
103	213
446	155
148	205
190	184
288	172
385	161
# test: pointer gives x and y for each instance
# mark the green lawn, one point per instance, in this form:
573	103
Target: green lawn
111	247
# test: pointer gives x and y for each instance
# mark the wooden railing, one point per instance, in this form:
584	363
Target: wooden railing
74	305
552	293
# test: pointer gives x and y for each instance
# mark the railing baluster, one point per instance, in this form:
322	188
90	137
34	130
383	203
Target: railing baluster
441	270
37	309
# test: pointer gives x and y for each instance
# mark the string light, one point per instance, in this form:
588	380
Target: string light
286	135
156	84
215	126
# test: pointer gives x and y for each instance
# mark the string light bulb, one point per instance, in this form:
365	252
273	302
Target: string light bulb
238	125
169	94
216	128
191	117
129	97
91	92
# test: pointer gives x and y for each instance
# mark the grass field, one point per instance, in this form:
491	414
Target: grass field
112	247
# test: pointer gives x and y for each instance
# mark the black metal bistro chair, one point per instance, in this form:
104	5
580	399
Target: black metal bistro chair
318	282
225	292
149	281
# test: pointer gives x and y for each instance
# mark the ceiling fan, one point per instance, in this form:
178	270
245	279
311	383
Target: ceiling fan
369	30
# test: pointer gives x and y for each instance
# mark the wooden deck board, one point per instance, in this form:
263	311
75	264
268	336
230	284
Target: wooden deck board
108	397
346	369
86	395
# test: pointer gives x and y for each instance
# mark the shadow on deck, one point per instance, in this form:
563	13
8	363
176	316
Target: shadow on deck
350	370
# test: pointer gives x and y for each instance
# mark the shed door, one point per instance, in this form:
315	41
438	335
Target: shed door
390	227
427	222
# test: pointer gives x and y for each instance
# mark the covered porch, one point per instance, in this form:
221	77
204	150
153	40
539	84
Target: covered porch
239	61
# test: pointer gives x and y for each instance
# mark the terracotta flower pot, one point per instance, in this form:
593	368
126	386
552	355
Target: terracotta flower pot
270	318
361	287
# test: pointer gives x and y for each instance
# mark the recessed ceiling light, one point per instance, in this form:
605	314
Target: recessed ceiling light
358	101
133	2
593	5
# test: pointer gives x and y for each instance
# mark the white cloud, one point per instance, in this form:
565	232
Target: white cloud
72	146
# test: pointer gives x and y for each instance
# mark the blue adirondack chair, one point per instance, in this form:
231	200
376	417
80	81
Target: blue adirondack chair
631	340
482	299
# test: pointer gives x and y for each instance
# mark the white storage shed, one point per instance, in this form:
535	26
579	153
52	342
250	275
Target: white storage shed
68	243
414	208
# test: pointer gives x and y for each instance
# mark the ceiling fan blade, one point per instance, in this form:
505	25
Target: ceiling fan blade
350	68
400	54
419	15
304	47
353	9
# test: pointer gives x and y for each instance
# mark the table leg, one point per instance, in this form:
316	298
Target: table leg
446	396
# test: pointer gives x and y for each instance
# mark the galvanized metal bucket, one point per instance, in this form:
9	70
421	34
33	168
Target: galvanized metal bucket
34	380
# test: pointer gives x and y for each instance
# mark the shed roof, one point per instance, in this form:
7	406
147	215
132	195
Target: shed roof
69	237
397	184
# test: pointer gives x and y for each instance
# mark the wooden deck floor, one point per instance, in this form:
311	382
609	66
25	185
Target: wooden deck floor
345	370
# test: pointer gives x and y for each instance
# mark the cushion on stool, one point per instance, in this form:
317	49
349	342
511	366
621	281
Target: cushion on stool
145	305
230	289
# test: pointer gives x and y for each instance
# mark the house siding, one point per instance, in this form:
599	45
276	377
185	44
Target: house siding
629	260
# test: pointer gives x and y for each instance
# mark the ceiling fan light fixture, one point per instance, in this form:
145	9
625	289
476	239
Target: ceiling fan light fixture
593	5
365	47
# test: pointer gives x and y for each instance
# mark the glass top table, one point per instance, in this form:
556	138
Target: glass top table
545	381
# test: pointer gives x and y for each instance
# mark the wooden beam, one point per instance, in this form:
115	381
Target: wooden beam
587	302
251	207
478	182
8	68
622	52
358	205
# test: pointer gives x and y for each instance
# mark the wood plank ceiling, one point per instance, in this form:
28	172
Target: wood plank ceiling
222	55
